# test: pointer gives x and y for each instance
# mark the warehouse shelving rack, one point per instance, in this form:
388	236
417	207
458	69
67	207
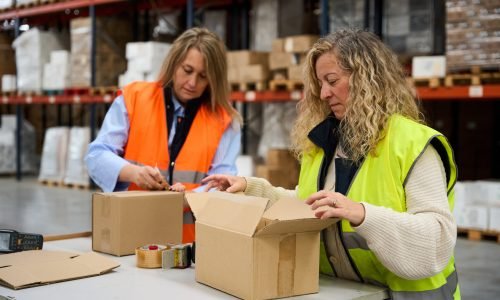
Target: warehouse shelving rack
42	12
481	93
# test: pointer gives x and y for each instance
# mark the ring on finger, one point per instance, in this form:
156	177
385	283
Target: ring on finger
334	202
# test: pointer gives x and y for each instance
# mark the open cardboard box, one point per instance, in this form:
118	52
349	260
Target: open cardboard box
123	221
38	267
253	253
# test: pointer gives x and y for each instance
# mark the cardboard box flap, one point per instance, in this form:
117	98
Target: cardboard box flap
295	226
41	270
290	215
125	194
289	209
232	212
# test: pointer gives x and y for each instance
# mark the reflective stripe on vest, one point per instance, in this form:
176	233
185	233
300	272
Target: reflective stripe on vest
396	155
181	175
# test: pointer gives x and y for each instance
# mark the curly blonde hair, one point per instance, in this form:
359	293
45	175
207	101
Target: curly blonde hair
377	90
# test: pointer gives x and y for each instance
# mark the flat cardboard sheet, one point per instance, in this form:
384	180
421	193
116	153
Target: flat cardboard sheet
38	267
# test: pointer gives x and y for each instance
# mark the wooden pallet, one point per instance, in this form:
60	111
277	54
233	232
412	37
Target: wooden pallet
29	4
103	90
77	186
472	79
51	183
9	94
248	86
77	91
479	235
285	84
431	82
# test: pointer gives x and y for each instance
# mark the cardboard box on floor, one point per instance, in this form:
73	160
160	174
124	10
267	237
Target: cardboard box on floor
251	253
123	221
39	267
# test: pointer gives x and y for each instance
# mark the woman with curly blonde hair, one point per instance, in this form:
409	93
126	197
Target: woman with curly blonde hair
368	159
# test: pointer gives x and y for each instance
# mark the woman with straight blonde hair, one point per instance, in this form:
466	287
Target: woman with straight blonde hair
368	159
173	132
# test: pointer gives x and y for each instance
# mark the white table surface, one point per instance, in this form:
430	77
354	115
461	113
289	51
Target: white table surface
130	282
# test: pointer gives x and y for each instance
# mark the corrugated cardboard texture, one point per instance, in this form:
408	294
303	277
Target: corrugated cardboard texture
280	260
32	268
123	221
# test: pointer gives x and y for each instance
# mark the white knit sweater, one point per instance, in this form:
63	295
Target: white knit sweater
413	244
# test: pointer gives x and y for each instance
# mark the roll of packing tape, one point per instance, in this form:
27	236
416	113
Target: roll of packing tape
149	256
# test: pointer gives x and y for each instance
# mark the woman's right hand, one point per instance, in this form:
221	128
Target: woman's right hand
228	183
145	177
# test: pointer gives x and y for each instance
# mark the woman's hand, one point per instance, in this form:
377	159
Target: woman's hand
145	177
177	187
328	204
228	183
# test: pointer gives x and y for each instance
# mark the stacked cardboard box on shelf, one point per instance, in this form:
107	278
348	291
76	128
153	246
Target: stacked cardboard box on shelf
7	62
281	169
247	66
288	54
112	35
144	61
472	34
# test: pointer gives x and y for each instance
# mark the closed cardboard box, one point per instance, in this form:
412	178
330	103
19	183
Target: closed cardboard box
251	253
123	221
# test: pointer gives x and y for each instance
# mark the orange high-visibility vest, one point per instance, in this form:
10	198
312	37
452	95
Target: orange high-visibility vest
148	140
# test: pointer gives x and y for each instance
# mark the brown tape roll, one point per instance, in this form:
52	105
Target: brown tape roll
149	256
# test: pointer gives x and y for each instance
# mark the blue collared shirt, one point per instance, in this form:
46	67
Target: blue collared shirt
105	160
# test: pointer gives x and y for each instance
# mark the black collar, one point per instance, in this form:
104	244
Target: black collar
325	135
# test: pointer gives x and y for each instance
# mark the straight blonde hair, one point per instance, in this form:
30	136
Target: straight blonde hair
377	90
214	53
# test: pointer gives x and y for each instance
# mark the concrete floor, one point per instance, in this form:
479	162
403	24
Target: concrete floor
32	207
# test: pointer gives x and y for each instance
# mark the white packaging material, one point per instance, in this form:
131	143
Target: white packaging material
56	77
8	83
146	49
25	2
55	145
278	120
244	164
129	77
76	169
428	66
8	146
487	192
60	57
145	64
7	4
9	122
494	219
474	217
33	50
460	199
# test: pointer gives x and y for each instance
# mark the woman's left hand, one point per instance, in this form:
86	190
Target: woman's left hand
327	204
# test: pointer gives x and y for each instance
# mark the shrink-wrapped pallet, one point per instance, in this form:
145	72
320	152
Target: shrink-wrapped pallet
112	35
56	73
76	169
55	147
144	60
6	4
33	50
8	146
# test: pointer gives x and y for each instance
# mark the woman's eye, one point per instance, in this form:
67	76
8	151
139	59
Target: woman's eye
188	71
332	82
203	76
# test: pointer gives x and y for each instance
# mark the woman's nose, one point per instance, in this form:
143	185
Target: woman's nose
325	92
